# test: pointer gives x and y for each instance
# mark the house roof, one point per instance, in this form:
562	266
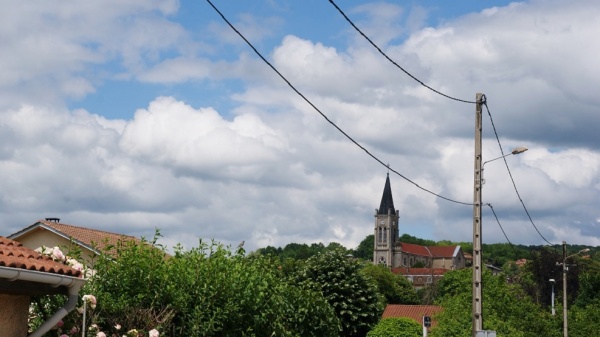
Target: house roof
444	251
14	255
420	271
415	312
430	251
387	201
411	248
92	239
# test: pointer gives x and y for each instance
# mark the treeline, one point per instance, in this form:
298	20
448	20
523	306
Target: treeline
211	290
318	290
500	255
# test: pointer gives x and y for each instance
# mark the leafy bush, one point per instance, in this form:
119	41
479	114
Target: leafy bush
396	327
395	288
352	294
205	291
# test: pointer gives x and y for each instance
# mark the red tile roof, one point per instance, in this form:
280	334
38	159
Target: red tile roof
415	312
91	238
431	251
420	271
442	251
414	249
14	255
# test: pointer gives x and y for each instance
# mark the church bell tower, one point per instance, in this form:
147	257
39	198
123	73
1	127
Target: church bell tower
386	228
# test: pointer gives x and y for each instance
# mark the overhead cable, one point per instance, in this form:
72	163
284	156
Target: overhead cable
394	62
325	116
510	174
502	229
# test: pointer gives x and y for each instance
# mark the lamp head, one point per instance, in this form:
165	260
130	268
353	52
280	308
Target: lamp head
519	149
552	280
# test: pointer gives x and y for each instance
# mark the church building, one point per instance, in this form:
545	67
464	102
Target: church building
389	251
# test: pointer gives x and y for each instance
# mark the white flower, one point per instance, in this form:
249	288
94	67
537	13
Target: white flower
57	254
153	333
91	299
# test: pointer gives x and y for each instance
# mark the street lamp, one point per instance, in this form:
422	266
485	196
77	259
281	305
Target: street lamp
565	269
516	150
552	281
477	313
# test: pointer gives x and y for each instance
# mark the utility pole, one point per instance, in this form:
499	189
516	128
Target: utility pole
477	313
565	269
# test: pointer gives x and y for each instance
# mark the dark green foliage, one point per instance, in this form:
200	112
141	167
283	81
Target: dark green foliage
506	308
396	327
395	288
365	248
352	294
205	291
589	289
301	251
417	241
583	321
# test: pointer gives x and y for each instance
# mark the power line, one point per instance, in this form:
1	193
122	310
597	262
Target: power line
325	116
502	229
510	174
394	62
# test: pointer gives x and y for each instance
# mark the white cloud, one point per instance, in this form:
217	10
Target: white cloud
174	134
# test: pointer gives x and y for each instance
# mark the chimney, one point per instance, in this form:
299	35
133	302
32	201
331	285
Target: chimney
57	220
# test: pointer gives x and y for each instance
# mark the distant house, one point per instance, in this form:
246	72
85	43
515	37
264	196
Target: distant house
421	277
388	250
521	262
50	232
24	273
495	270
415	312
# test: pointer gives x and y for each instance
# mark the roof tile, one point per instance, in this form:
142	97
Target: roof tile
14	255
415	312
91	237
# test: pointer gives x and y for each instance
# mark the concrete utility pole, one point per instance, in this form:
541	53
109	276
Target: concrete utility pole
565	269
477	276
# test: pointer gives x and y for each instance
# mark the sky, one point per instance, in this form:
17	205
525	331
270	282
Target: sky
131	116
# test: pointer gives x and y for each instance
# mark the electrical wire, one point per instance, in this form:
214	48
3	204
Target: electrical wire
502	229
325	116
394	62
484	102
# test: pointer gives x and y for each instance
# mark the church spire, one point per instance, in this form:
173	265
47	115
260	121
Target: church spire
387	202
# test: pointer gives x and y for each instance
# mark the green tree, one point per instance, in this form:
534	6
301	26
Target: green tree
417	241
352	294
506	308
205	291
589	289
365	248
395	288
396	327
583	321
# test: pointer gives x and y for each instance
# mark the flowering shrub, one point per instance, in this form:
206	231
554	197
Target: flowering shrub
45	306
138	291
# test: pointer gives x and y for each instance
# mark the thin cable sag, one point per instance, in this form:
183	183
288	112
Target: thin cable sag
503	232
392	61
509	173
323	115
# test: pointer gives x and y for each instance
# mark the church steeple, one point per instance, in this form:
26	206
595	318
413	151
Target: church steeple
387	201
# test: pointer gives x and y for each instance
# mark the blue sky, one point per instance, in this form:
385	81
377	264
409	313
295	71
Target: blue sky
133	115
